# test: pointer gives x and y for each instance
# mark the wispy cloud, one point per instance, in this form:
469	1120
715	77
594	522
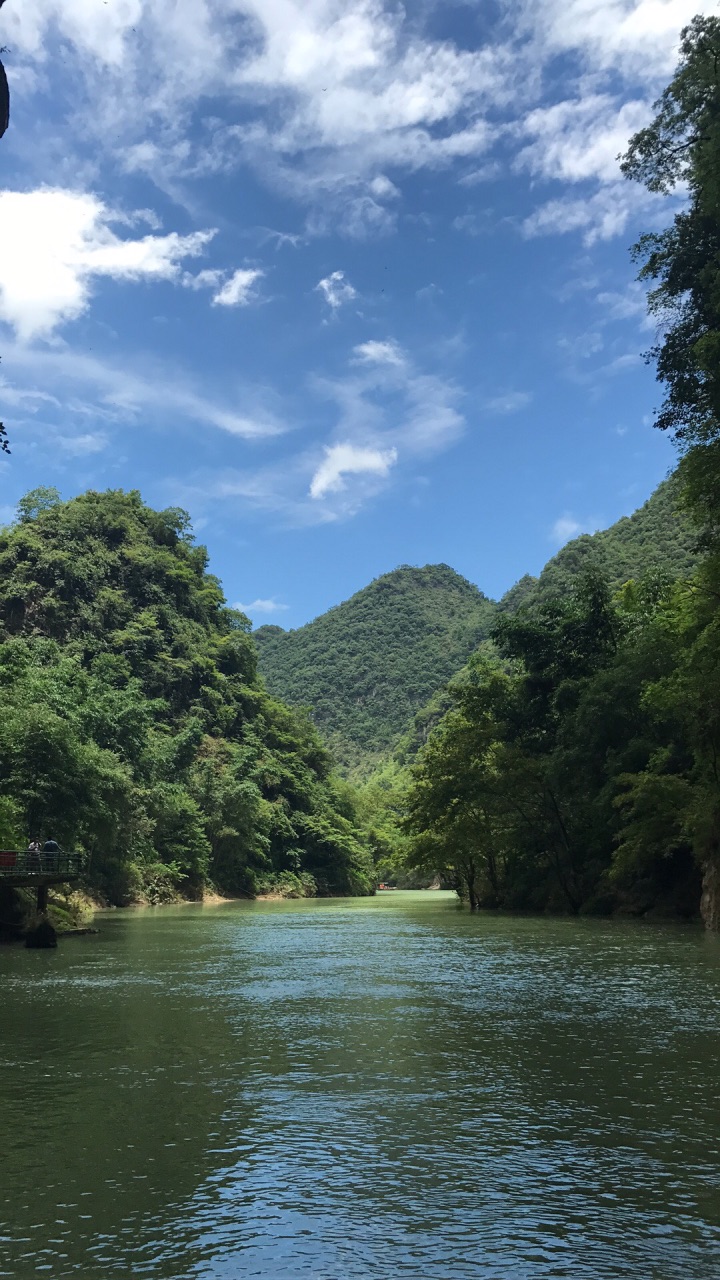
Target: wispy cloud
598	216
82	446
210	278
342	460
238	291
373	352
270	605
336	289
115	393
635	38
628	304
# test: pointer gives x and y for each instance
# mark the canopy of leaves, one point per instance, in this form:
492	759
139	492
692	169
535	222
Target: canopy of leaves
680	151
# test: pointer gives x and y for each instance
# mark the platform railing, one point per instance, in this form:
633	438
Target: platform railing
26	862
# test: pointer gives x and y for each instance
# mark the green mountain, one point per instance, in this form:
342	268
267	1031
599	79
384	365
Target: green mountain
135	725
368	665
373	669
657	538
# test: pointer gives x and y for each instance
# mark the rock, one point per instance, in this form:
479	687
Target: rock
42	935
710	901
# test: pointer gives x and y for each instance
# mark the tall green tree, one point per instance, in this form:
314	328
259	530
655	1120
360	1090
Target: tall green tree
679	152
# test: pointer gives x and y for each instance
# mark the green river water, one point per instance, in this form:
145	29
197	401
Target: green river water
361	1088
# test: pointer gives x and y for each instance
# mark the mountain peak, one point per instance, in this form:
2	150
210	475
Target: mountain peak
369	664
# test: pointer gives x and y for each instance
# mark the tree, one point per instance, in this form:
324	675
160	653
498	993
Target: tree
457	809
679	151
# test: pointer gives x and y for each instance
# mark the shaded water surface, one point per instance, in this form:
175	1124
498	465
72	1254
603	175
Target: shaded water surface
365	1088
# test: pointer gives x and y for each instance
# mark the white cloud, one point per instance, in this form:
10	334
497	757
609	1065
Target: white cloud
580	138
82	446
383	188
373	352
387	399
346	459
210	278
52	244
238	290
629	360
637	38
262	606
385	411
336	290
332	101
582	345
484	173
473	224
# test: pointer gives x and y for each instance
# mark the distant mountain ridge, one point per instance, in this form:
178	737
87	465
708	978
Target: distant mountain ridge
372	668
369	664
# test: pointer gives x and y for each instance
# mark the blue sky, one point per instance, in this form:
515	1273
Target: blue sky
348	280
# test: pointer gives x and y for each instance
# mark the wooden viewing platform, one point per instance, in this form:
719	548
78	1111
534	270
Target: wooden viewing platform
21	868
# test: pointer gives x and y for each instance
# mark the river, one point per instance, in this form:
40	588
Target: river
361	1088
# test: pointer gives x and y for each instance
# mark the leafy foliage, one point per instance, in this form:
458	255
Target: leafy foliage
680	149
540	788
135	724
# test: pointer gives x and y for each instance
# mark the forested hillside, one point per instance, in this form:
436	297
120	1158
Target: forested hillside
368	665
657	538
135	725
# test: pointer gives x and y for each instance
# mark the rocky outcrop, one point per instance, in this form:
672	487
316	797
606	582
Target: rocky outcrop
710	900
41	935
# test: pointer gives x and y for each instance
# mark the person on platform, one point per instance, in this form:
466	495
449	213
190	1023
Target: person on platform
51	851
34	861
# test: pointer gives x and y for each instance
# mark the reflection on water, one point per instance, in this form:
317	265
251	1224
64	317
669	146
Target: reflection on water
365	1088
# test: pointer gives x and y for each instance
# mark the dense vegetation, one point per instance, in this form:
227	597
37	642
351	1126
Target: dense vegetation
567	774
659	538
135	725
578	768
367	666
